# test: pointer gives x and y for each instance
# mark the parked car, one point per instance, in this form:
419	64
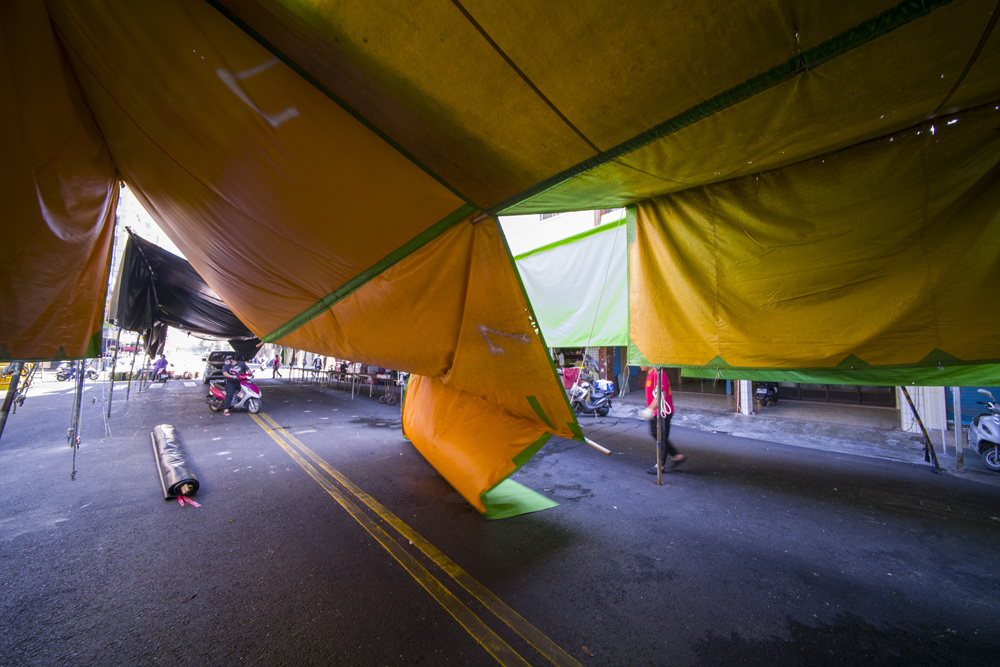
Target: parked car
213	365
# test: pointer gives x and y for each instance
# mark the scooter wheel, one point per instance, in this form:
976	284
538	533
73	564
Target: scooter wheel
763	402
991	458
253	405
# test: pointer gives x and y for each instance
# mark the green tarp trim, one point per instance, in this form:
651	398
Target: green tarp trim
608	226
537	407
577	431
94	344
93	351
636	357
355	283
631	222
980	375
315	83
508	498
845	42
530	450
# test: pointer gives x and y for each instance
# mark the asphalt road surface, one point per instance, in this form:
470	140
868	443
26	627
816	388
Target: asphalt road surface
323	538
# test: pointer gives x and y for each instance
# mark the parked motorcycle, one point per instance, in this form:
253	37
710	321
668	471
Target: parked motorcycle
65	373
589	395
767	392
162	375
247	398
984	432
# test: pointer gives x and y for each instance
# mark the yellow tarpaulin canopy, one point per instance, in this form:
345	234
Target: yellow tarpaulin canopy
333	169
820	266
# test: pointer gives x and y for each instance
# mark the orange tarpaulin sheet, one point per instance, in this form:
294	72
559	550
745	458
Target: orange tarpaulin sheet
58	194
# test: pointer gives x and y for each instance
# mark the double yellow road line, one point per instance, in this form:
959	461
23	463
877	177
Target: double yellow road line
354	500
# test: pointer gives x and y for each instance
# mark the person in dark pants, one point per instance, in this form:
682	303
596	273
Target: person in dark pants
231	371
667	409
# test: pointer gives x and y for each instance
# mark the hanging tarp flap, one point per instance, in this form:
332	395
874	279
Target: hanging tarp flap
864	259
500	386
155	286
58	193
578	288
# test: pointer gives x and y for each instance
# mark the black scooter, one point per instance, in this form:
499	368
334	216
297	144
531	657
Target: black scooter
767	392
591	396
67	372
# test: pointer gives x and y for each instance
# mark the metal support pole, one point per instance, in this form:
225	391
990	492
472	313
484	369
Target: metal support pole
659	426
15	379
128	385
956	397
929	454
114	364
73	435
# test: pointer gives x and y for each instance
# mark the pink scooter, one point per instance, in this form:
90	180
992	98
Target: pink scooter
247	398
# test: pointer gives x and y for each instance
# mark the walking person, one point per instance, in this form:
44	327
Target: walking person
670	452
275	366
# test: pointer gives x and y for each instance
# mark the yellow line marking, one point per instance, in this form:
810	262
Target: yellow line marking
489	640
538	640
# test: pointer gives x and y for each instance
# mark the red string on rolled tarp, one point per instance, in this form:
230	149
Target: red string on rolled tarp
177	476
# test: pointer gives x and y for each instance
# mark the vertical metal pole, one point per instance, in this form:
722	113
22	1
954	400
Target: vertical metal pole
659	426
956	397
114	365
11	392
74	427
135	352
929	454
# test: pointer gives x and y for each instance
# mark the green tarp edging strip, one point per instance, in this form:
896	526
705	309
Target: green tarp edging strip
315	83
350	286
94	345
537	407
984	374
531	450
577	431
847	41
631	222
509	498
572	239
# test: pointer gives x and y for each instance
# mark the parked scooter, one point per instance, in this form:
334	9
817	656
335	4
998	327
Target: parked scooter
247	398
984	432
767	392
162	375
68	372
589	395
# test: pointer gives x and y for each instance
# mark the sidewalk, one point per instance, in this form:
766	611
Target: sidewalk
858	430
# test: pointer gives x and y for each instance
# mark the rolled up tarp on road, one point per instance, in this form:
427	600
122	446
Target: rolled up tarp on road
176	473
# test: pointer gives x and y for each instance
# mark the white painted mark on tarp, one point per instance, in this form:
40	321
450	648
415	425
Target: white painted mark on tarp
488	334
232	80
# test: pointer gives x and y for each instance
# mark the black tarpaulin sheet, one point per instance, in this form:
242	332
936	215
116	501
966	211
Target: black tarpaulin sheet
176	474
155	286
